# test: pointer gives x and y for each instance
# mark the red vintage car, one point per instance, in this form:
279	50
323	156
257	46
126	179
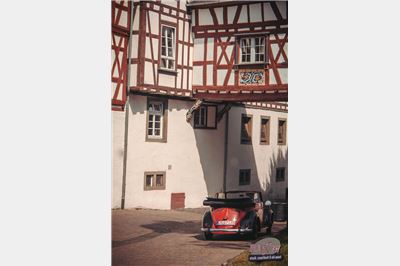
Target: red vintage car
236	212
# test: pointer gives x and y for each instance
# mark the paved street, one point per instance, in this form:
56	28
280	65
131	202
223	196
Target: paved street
166	237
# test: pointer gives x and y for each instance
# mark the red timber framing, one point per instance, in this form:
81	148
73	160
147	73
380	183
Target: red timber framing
218	72
120	26
151	77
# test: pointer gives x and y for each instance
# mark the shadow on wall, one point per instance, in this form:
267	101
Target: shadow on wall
210	146
277	190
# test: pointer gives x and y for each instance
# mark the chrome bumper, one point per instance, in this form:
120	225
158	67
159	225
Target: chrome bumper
234	230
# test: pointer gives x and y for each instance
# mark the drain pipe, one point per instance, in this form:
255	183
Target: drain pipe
127	112
226	149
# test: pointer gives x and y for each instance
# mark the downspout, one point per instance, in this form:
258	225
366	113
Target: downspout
127	113
225	149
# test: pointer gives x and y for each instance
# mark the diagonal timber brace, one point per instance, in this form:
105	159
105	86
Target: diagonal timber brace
189	113
221	113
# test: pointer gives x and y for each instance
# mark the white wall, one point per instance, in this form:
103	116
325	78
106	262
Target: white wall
195	157
261	159
118	129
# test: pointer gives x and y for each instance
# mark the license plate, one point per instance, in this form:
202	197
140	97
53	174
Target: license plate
225	223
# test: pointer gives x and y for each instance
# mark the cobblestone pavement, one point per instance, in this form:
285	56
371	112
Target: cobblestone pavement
170	237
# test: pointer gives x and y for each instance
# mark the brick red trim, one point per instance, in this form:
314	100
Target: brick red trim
244	88
141	43
242	97
199	35
240	25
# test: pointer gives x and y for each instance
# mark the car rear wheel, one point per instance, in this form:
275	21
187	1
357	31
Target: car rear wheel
207	236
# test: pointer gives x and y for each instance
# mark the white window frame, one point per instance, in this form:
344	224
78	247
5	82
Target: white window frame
155	113
252	46
166	57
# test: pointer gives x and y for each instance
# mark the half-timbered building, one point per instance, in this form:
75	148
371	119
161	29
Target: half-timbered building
199	100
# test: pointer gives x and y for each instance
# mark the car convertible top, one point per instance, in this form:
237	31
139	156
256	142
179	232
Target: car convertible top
239	203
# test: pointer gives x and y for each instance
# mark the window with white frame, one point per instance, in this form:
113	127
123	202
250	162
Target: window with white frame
155	120
252	50
168	48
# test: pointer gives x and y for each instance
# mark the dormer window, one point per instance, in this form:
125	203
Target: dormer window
252	50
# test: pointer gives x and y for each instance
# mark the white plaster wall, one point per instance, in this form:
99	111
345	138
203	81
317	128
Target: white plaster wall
148	73
198	75
231	13
268	12
195	157
261	159
198	54
255	11
205	17
118	130
282	8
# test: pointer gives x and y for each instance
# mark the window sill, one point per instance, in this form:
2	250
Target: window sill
201	127
155	140
168	71
251	64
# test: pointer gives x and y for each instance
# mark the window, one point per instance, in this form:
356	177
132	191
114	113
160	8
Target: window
206	117
246	128
282	131
252	50
264	135
280	174
154	180
156	120
168	48
200	117
244	177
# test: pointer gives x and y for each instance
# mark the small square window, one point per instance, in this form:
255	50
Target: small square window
154	181
280	174
244	177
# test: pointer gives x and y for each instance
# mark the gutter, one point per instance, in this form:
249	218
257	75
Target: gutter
225	149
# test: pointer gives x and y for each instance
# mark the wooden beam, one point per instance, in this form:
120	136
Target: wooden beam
242	97
241	25
221	113
273	87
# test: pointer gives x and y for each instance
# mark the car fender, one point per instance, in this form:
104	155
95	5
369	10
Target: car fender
207	220
249	219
